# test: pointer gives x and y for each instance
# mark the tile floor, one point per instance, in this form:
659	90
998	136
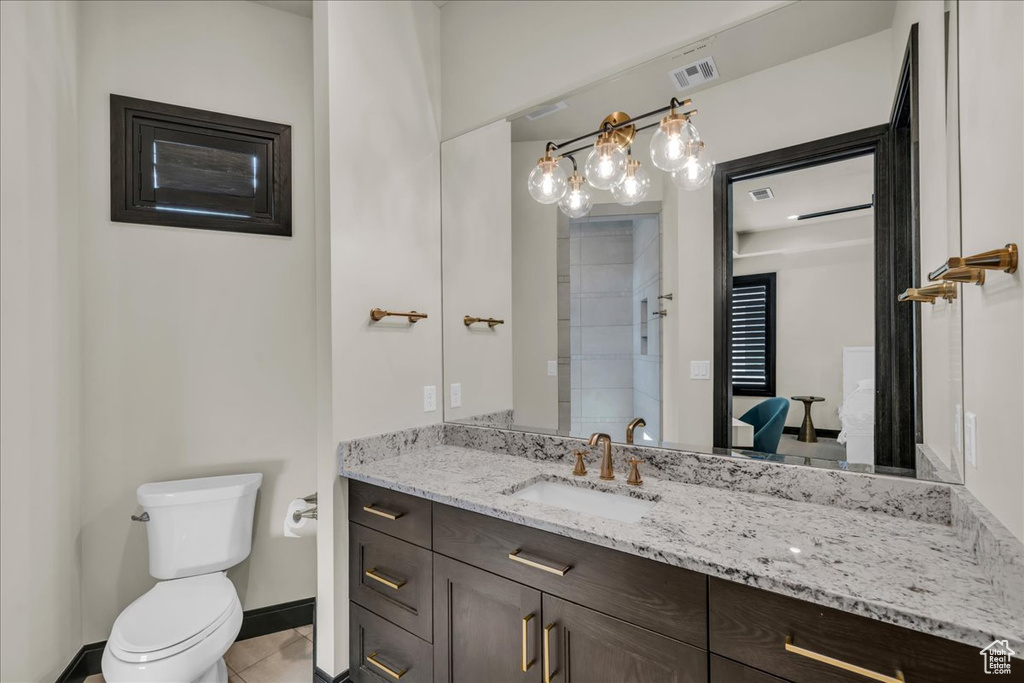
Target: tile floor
282	657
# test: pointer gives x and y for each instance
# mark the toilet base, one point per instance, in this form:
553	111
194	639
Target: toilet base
218	673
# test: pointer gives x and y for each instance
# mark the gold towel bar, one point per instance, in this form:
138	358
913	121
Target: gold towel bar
491	322
1004	259
378	314
944	290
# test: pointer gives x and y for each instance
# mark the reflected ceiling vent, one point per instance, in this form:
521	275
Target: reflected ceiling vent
546	110
761	195
694	74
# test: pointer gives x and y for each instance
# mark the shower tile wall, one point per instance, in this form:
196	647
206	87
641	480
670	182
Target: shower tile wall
646	347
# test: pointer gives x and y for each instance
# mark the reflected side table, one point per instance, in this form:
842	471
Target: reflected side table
807	433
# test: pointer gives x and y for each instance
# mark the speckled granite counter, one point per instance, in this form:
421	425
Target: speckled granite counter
915	574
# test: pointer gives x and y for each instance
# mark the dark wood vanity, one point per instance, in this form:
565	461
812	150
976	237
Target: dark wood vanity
442	594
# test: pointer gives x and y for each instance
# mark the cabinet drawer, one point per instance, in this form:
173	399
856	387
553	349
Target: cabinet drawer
380	652
727	671
665	599
396	514
392	578
584	646
751	626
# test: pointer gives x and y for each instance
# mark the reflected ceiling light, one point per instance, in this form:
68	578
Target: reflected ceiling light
634	186
577	201
676	147
696	171
547	182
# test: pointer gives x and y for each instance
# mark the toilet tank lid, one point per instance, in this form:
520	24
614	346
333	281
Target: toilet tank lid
189	491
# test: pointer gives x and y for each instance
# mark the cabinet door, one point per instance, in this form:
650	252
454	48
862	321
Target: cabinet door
583	646
486	628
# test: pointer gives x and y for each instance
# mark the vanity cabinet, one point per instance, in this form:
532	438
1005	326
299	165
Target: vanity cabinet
481	600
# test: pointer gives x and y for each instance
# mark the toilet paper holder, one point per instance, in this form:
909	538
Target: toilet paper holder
308	513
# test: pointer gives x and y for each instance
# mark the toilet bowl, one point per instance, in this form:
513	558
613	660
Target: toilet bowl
178	631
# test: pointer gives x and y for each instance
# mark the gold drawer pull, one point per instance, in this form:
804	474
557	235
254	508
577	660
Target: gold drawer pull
517	556
372	659
526	665
840	664
382	512
547	654
396	583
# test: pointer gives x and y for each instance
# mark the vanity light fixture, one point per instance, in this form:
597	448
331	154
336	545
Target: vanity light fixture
676	147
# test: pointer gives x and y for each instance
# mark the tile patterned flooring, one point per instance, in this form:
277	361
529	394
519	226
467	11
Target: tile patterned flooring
282	657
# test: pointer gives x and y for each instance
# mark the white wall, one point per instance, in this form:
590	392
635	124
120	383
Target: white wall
824	302
477	269
500	58
835	91
41	622
992	158
383	98
198	347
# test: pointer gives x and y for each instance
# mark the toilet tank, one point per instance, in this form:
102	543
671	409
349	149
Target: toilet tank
199	526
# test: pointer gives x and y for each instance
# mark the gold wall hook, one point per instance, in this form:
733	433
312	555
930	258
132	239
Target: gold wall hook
965	274
491	322
378	314
943	290
1004	259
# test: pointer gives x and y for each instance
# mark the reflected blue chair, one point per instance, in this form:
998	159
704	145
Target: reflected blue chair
768	418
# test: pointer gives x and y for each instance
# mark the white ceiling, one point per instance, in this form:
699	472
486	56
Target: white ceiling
808	190
794	31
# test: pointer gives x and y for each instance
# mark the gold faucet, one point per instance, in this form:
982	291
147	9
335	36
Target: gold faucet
637	422
607	472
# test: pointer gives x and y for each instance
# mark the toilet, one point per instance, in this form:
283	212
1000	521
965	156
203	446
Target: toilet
178	631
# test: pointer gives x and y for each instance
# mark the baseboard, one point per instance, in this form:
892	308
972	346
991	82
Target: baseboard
827	433
321	676
255	622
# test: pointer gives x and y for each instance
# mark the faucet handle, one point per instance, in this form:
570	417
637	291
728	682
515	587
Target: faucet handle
634	473
580	469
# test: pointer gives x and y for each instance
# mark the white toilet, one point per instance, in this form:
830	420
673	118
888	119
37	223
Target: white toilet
179	631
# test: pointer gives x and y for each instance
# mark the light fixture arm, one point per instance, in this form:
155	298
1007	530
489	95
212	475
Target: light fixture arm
607	126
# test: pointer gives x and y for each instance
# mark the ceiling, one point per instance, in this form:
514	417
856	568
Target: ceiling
794	31
808	190
304	8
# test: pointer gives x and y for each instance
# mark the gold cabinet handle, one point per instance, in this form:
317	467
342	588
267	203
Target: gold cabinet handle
526	664
517	556
382	512
396	584
547	654
372	659
840	664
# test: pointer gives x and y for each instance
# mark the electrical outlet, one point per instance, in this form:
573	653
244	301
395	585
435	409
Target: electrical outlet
429	399
700	369
552	368
455	396
971	438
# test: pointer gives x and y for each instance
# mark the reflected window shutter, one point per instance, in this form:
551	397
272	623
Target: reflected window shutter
753	335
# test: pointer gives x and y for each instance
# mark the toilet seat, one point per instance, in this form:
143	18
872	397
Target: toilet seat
172	617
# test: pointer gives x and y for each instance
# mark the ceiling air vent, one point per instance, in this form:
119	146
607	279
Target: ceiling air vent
762	194
694	74
546	110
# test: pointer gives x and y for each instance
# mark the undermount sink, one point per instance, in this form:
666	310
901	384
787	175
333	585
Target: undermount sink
578	499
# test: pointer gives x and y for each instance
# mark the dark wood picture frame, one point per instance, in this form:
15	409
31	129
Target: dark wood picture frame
770	281
133	190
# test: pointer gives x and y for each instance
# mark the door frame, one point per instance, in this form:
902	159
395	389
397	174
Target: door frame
895	355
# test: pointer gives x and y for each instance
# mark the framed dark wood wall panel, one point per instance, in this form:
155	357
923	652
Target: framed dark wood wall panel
183	167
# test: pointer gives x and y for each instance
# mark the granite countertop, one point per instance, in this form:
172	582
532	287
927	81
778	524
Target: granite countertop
910	573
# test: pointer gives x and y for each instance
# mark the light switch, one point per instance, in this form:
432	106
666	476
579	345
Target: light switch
455	396
971	438
552	368
700	369
429	399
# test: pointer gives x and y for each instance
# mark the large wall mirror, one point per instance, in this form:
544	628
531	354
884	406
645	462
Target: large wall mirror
754	280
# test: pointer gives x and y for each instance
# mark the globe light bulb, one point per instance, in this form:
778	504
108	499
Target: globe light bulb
634	187
606	164
696	170
675	137
577	201
547	181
